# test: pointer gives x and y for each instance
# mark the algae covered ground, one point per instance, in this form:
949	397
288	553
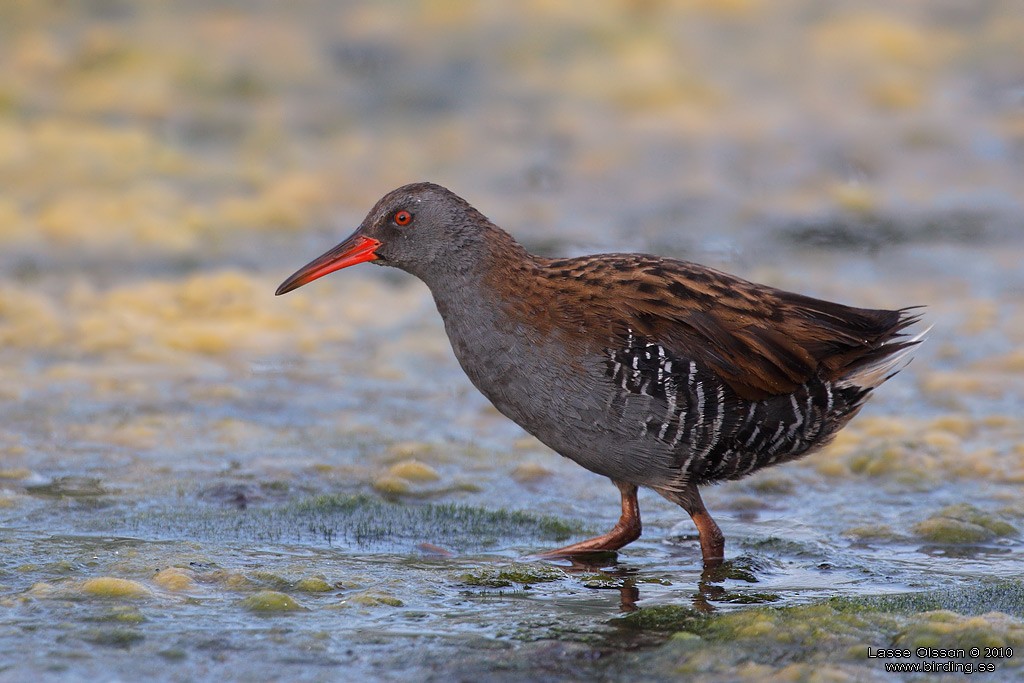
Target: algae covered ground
199	480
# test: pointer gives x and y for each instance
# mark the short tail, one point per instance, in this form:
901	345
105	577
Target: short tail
889	358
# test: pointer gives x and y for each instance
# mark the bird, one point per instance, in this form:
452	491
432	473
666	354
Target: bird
651	371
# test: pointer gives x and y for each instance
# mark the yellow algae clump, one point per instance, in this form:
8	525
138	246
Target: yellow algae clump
772	484
391	485
872	40
960	425
313	584
198	337
945	629
13	226
759	625
112	587
962	523
225	311
271	601
883	426
408	449
233	431
1011	362
209	314
854	197
229	292
108	72
232	580
829	460
896	92
174	579
897	460
528	443
954	384
724	8
530	471
42	590
374	599
999	421
870	532
831	467
942	441
36	52
982	316
413	470
73	154
290	202
29	319
150	215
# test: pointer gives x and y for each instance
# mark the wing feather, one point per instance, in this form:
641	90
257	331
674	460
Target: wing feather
760	340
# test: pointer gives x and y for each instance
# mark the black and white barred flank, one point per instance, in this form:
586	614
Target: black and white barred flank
716	434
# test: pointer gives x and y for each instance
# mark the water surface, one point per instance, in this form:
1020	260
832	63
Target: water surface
200	480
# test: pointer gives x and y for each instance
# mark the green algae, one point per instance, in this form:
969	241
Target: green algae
354	520
745	567
947	530
608	581
947	629
517	574
889	462
174	579
271	601
962	523
775	545
69	487
871	532
374	598
113	587
313	584
747	598
173	654
600	582
119	615
835	632
269	580
113	637
820	641
1001	596
664	618
777	485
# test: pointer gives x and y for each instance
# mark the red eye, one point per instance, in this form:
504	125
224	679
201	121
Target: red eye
403	217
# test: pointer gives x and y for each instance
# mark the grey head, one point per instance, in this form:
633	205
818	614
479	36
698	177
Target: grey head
422	228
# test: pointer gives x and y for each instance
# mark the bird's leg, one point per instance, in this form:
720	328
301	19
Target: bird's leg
712	540
626	530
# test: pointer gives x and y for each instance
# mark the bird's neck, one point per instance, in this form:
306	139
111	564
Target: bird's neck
487	266
501	289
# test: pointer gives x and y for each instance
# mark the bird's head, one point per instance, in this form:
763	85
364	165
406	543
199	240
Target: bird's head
421	228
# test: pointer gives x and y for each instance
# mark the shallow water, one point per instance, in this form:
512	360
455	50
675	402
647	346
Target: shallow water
199	480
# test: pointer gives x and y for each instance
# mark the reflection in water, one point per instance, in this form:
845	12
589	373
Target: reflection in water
629	595
603	571
707	592
610	574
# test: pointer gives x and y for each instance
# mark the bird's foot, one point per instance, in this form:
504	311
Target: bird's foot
605	543
622	534
626	530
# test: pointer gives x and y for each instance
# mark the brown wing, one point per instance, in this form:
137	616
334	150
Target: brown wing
760	340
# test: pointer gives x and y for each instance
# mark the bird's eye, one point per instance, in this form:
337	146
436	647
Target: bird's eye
403	217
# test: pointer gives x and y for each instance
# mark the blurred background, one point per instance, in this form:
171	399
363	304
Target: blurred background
181	452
